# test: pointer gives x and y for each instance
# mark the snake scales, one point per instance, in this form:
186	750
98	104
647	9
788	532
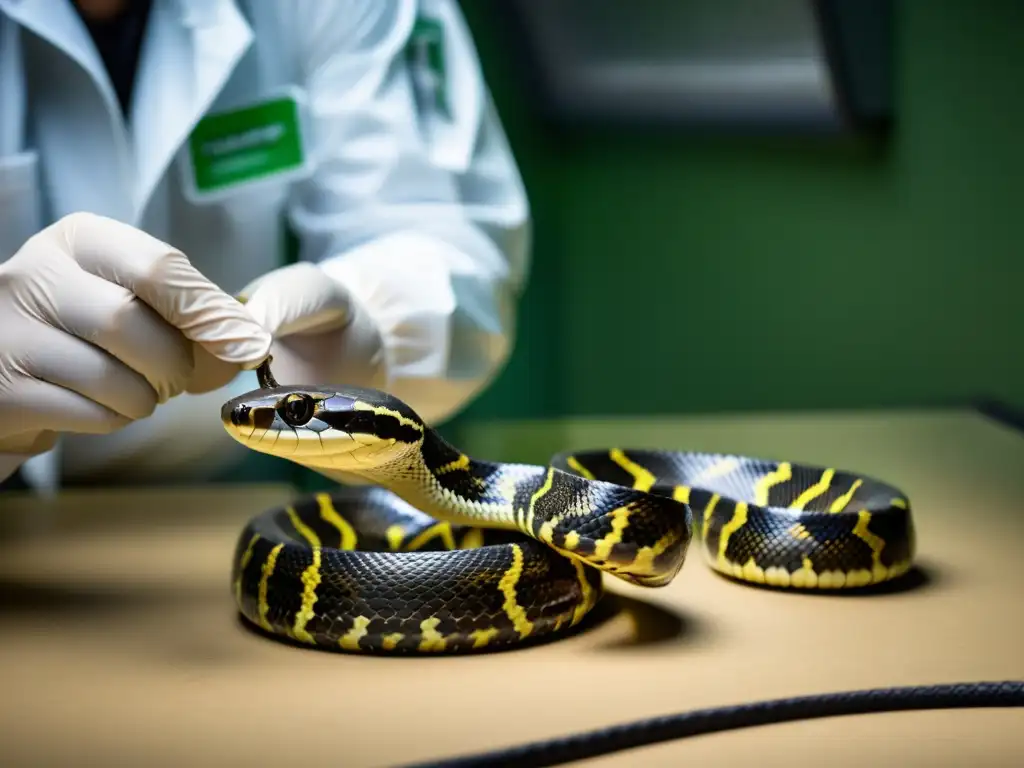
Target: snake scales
444	552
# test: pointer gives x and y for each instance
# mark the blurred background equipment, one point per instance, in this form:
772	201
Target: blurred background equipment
789	65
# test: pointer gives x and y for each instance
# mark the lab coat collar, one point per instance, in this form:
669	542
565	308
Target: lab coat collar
59	23
192	48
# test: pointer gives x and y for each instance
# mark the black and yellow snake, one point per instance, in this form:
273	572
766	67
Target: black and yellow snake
444	552
447	553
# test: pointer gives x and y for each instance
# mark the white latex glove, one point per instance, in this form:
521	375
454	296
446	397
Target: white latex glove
322	335
99	323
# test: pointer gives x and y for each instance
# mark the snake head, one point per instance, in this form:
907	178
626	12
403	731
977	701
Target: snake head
351	429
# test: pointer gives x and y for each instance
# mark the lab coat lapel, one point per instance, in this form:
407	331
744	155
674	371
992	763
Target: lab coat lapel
60	25
81	169
192	48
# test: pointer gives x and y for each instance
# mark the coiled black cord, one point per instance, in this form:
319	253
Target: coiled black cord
616	738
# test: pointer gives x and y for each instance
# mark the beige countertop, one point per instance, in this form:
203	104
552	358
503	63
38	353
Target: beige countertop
119	643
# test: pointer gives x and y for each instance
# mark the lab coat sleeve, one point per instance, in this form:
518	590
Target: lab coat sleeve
417	209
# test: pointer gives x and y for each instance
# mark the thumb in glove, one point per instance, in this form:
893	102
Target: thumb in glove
322	334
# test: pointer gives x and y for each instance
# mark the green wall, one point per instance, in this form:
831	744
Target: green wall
779	274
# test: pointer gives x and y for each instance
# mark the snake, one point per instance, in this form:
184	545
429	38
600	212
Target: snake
425	550
422	548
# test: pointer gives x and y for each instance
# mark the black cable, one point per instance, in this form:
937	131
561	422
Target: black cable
678	726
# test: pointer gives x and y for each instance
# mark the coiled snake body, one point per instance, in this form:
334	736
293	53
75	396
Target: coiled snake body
444	552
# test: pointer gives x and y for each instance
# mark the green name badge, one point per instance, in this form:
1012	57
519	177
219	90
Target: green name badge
259	142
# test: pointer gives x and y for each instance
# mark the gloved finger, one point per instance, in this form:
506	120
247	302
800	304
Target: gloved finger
347	356
72	364
298	298
168	282
114	319
28	443
209	373
42	406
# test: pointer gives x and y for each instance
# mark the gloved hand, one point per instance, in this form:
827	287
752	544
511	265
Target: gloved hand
322	335
99	323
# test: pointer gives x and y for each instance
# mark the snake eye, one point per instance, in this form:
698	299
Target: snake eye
297	409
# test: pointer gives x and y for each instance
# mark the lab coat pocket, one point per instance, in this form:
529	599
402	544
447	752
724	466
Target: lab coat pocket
20	201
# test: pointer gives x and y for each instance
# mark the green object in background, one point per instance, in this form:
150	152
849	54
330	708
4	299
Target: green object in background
427	61
695	274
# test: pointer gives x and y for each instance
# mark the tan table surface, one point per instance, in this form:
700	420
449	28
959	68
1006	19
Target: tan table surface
119	645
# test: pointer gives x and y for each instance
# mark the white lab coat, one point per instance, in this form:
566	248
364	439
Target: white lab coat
427	218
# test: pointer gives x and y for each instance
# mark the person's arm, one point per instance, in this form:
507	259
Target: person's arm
421	217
